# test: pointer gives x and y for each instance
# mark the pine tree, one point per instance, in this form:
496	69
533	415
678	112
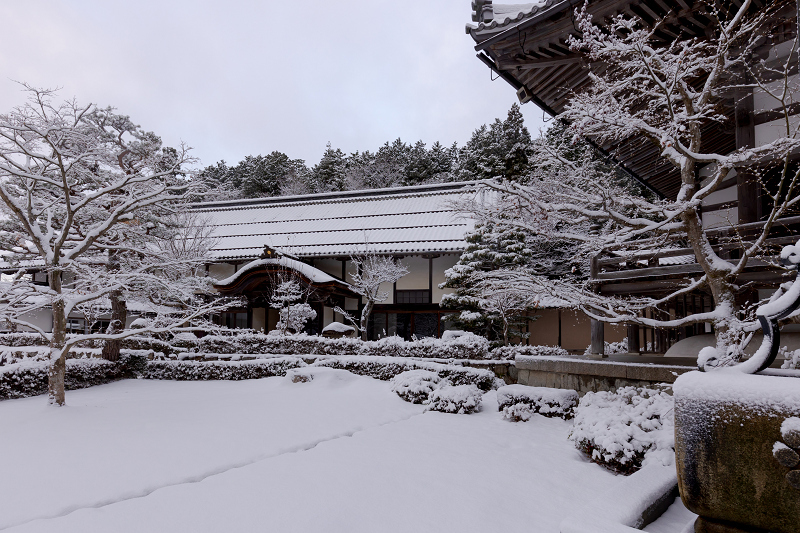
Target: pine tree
491	246
498	151
262	176
330	173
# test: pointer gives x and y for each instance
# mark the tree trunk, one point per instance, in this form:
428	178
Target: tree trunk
365	318
119	317
58	356
119	314
722	289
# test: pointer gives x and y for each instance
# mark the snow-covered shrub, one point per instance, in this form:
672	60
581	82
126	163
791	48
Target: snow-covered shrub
791	358
147	343
337	328
185	341
415	386
451	334
134	362
29	378
543	400
611	348
385	368
248	342
22	339
220	370
16	354
294	317
626	429
512	351
299	375
460	399
518	412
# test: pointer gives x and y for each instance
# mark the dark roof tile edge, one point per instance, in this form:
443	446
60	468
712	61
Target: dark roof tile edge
331	197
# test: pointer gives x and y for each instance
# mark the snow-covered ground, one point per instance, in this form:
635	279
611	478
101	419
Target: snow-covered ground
339	453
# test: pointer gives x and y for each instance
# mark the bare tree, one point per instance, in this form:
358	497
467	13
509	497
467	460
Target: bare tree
665	93
81	189
290	299
372	271
505	301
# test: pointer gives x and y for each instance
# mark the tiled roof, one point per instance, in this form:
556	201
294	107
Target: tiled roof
399	220
493	18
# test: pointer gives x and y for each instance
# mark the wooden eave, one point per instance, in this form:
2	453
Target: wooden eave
250	280
532	53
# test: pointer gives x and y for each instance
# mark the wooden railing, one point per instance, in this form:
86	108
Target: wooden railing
646	264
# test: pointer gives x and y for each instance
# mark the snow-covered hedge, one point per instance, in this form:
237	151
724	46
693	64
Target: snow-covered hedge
460	399
22	339
222	370
415	386
386	368
29	378
15	347
520	402
511	352
624	430
465	347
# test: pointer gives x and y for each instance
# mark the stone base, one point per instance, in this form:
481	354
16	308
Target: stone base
726	424
706	525
585	375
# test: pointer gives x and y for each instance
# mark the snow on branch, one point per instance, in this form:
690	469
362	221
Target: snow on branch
96	208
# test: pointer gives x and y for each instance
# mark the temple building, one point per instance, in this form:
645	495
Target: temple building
526	45
312	237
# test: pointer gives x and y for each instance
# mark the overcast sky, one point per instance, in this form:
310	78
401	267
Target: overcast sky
236	78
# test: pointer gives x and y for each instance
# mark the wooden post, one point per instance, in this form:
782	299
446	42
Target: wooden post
748	190
633	339
598	339
598	330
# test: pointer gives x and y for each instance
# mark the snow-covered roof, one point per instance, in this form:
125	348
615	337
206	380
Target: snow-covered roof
313	274
398	220
494	18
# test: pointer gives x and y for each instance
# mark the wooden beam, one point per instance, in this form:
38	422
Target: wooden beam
539	63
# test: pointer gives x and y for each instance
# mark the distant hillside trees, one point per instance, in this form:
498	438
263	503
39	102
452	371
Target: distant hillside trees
500	150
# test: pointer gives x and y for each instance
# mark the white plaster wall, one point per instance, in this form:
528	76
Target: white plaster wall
221	270
769	131
721	218
351	269
351	304
388	288
440	264
417	277
722	195
327	316
41	318
764	101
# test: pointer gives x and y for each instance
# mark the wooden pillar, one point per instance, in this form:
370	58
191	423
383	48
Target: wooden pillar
633	339
559	328
748	190
598	339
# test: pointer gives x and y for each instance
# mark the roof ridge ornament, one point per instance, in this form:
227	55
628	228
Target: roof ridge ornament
270	253
482	11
